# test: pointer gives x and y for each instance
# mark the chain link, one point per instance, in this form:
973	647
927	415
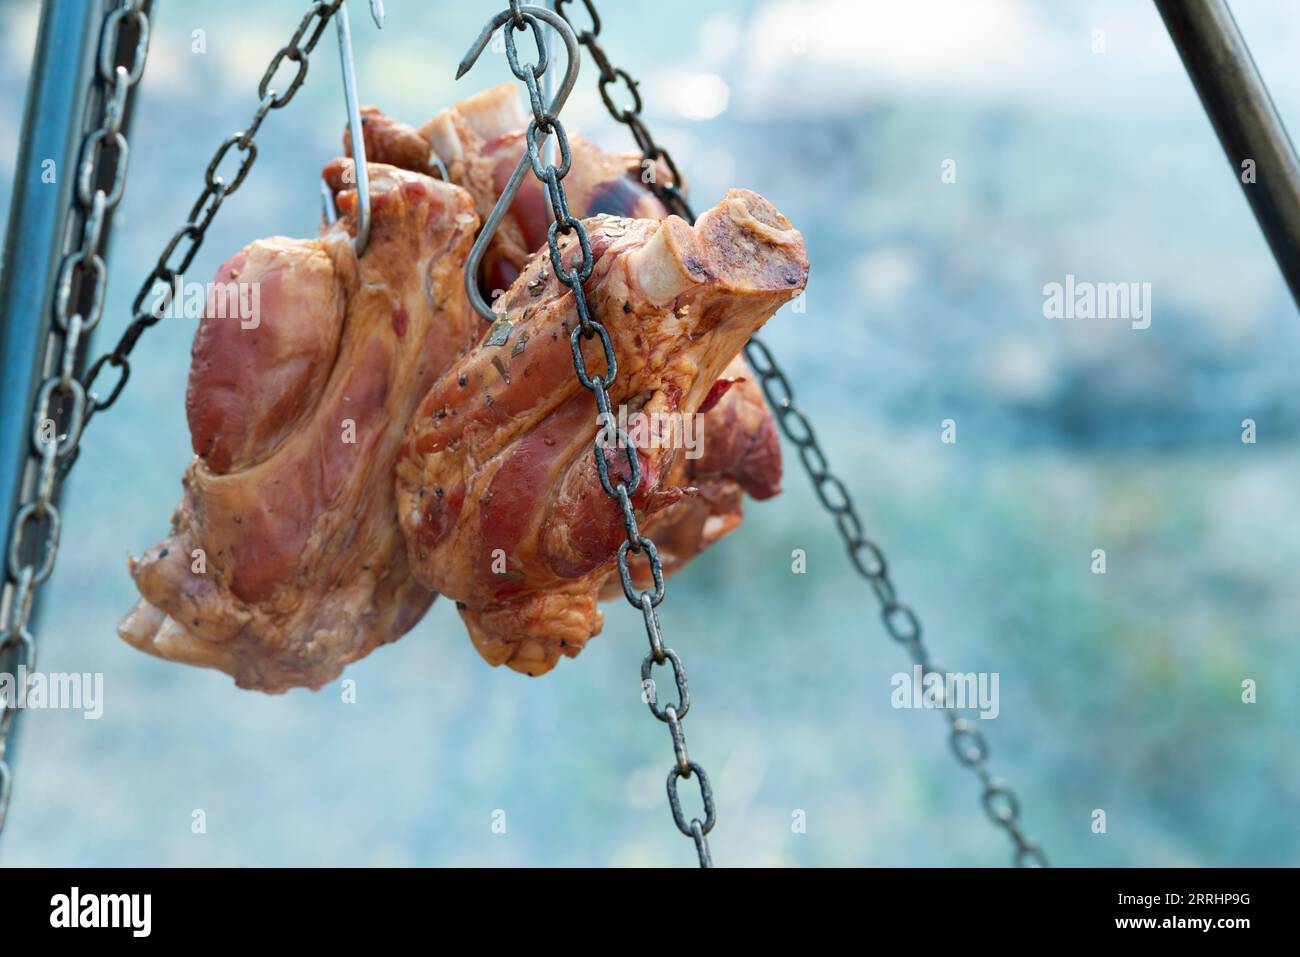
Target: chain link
622	483
670	192
65	404
185	243
900	621
59	414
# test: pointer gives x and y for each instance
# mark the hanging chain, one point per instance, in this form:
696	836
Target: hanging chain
902	624
187	240
669	193
968	744
60	410
83	278
647	601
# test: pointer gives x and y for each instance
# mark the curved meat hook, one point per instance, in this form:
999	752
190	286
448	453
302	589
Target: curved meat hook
516	179
362	238
356	134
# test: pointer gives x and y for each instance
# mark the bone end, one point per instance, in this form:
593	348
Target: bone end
669	264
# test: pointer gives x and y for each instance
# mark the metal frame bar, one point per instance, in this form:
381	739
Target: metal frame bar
53	127
62	94
1239	106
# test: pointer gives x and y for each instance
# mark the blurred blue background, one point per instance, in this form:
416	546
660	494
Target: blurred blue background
1119	691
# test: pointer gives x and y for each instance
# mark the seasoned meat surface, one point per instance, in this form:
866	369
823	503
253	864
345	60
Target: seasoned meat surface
285	561
498	492
480	141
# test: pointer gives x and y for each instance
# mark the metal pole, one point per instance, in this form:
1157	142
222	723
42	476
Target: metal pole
44	182
62	96
1238	104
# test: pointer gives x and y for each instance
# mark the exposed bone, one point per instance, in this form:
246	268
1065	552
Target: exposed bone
497	489
659	269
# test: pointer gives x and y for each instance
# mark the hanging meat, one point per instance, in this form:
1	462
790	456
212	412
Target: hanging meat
479	142
285	560
498	493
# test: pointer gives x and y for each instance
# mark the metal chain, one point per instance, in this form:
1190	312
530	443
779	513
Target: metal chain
189	238
902	624
34	540
619	488
60	410
669	193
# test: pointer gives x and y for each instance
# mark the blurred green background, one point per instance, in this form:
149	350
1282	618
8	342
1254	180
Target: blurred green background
1119	691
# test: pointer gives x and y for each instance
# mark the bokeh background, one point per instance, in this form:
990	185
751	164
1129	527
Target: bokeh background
1119	691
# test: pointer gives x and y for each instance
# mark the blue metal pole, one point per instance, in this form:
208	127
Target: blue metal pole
44	184
62	94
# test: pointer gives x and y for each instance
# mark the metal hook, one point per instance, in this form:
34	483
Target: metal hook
329	210
362	239
507	197
436	160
